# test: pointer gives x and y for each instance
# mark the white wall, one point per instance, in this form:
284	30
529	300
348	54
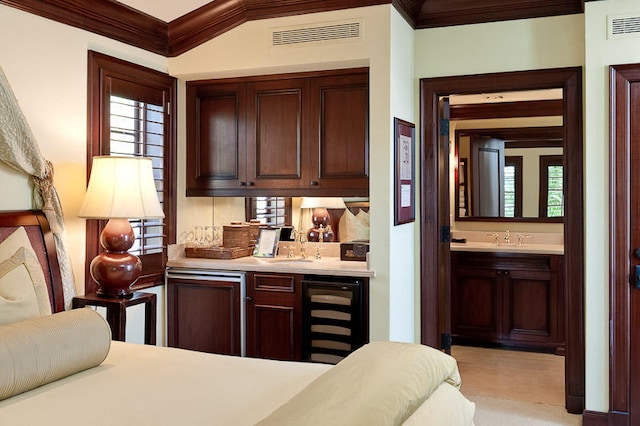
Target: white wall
601	52
404	284
46	66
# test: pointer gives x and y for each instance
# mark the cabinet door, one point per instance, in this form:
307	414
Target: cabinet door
276	112
216	139
340	134
274	316
204	315
531	306
476	302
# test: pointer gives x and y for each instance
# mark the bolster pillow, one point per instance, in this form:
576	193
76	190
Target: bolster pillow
382	383
44	349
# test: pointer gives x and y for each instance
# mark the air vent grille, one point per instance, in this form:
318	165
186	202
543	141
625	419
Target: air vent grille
624	27
348	30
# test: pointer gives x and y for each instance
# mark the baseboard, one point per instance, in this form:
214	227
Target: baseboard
574	404
595	418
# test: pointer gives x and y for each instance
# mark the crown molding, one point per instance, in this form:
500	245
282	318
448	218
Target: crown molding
120	22
104	17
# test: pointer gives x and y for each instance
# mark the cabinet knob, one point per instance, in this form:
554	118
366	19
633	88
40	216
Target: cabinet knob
240	183
313	183
249	183
248	298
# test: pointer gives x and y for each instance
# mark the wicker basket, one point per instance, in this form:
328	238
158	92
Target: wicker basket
235	235
218	253
254	231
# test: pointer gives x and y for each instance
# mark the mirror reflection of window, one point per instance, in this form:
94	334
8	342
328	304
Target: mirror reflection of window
513	186
551	186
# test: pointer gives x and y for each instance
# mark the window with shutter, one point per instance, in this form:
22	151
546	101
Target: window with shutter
271	211
130	114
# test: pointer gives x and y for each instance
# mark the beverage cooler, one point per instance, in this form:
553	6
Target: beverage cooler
333	323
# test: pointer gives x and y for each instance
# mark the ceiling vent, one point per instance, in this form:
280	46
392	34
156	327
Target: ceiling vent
623	26
320	33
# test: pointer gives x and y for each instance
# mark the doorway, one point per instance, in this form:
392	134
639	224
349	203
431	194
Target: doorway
434	216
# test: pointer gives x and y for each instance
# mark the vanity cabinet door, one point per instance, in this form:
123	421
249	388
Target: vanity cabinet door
506	298
274	316
530	306
476	295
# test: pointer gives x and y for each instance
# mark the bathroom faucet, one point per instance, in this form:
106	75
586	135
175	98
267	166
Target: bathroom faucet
303	250
521	236
507	238
495	237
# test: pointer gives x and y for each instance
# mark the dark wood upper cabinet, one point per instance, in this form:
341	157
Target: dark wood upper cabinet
216	142
275	116
280	135
340	133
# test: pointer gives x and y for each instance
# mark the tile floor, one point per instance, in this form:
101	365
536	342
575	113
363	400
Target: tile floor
515	375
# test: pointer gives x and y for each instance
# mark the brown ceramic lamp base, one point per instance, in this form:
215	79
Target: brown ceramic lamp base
320	218
116	270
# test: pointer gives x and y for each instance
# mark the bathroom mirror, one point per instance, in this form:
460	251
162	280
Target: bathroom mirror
509	173
508	156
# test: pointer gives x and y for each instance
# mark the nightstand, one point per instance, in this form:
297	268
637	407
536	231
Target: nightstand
117	312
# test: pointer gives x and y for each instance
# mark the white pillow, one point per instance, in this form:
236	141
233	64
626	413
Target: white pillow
362	225
35	282
347	226
23	289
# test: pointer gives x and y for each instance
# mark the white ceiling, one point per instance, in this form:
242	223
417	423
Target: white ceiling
165	10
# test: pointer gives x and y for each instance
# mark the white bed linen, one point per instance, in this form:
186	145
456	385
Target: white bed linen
148	385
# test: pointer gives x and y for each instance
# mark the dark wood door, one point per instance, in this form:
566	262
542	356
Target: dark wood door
624	375
276	115
339	134
274	316
204	315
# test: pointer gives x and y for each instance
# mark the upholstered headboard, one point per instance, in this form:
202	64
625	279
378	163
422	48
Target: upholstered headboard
37	227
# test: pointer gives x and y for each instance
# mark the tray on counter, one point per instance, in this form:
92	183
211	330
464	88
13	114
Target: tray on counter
218	253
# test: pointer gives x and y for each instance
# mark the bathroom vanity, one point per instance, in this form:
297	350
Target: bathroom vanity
508	295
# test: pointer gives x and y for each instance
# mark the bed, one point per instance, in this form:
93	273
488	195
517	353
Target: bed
62	368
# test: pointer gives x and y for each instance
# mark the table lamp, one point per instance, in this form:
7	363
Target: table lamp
120	188
321	231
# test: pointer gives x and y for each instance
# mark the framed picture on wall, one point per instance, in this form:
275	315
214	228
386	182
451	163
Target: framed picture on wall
405	185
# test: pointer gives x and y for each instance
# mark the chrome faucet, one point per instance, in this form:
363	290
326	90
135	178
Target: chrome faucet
303	250
507	238
495	237
521	236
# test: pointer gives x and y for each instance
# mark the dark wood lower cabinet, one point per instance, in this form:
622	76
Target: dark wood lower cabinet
506	298
274	316
204	315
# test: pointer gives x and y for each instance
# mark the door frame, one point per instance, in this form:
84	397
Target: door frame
622	309
434	253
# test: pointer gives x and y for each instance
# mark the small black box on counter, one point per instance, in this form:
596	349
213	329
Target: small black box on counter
354	250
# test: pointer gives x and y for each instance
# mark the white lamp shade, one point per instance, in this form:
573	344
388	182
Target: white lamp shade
326	202
121	188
